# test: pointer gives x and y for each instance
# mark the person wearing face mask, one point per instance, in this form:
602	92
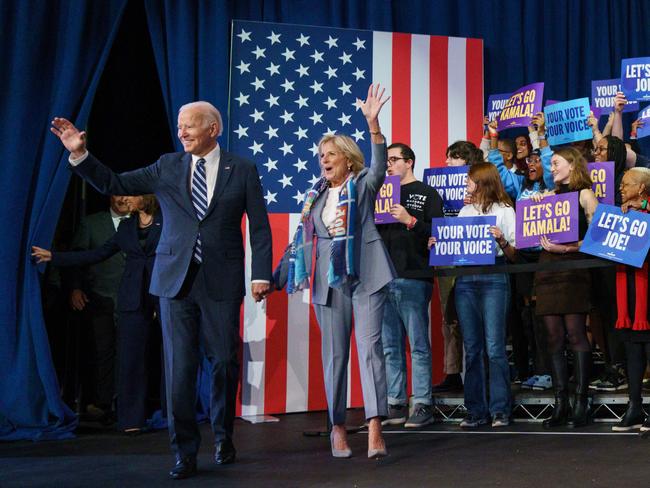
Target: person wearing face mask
632	293
406	312
482	303
351	269
563	297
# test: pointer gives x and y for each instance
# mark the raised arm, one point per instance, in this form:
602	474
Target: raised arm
138	182
511	182
371	107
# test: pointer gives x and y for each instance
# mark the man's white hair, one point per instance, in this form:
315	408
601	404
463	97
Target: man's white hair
209	113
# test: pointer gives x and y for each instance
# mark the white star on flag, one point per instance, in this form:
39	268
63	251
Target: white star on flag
244	36
256	148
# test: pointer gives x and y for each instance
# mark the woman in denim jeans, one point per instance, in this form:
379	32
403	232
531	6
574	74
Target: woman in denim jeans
482	305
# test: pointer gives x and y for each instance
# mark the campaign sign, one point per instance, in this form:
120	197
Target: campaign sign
596	111
602	176
550	101
618	236
635	78
522	105
462	241
450	183
602	97
555	217
567	122
644	130
388	195
495	105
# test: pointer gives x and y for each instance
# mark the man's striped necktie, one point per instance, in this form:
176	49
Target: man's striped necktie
200	201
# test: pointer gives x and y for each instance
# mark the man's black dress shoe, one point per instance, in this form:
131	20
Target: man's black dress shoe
225	452
184	468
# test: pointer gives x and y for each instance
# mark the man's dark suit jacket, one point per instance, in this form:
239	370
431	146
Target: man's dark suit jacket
139	260
102	278
237	191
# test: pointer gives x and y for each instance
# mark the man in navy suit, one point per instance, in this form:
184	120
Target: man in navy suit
199	269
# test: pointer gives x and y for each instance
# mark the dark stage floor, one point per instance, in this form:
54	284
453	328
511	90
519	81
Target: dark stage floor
277	454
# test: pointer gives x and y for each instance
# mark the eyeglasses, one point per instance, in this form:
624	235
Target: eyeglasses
535	160
599	149
394	159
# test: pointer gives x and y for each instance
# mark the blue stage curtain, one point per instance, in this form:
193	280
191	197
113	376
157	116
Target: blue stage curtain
52	56
564	43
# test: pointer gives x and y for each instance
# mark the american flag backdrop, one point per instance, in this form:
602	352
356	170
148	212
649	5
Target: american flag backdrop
289	86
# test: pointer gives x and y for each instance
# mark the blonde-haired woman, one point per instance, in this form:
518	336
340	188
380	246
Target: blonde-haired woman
563	297
352	266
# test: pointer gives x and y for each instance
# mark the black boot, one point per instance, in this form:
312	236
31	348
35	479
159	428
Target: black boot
633	418
560	388
582	369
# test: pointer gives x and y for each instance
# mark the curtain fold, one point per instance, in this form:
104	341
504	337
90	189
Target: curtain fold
53	54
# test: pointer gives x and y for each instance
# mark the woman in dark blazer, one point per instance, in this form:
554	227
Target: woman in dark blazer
138	328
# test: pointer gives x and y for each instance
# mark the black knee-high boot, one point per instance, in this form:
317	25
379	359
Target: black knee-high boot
560	388
582	365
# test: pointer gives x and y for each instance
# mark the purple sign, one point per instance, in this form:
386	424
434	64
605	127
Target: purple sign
602	176
462	241
644	130
567	121
450	183
495	104
596	111
555	217
602	97
522	105
617	236
387	196
635	78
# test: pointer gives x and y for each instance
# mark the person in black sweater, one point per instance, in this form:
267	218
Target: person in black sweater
409	295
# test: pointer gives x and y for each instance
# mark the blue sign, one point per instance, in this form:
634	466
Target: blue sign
635	78
617	236
450	183
602	97
644	130
462	241
496	104
567	121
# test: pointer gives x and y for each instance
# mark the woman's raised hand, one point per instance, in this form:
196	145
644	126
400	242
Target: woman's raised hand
372	105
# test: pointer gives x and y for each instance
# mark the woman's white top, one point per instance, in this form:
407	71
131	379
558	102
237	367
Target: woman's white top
329	210
505	220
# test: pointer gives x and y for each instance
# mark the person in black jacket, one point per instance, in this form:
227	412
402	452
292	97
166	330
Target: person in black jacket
138	326
406	312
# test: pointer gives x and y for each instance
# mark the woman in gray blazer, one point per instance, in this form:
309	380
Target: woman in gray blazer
351	268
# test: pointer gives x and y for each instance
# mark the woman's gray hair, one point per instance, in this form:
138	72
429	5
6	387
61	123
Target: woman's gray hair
209	113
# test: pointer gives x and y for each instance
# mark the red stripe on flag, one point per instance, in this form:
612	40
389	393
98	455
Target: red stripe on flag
275	364
474	90
401	82
438	100
240	353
